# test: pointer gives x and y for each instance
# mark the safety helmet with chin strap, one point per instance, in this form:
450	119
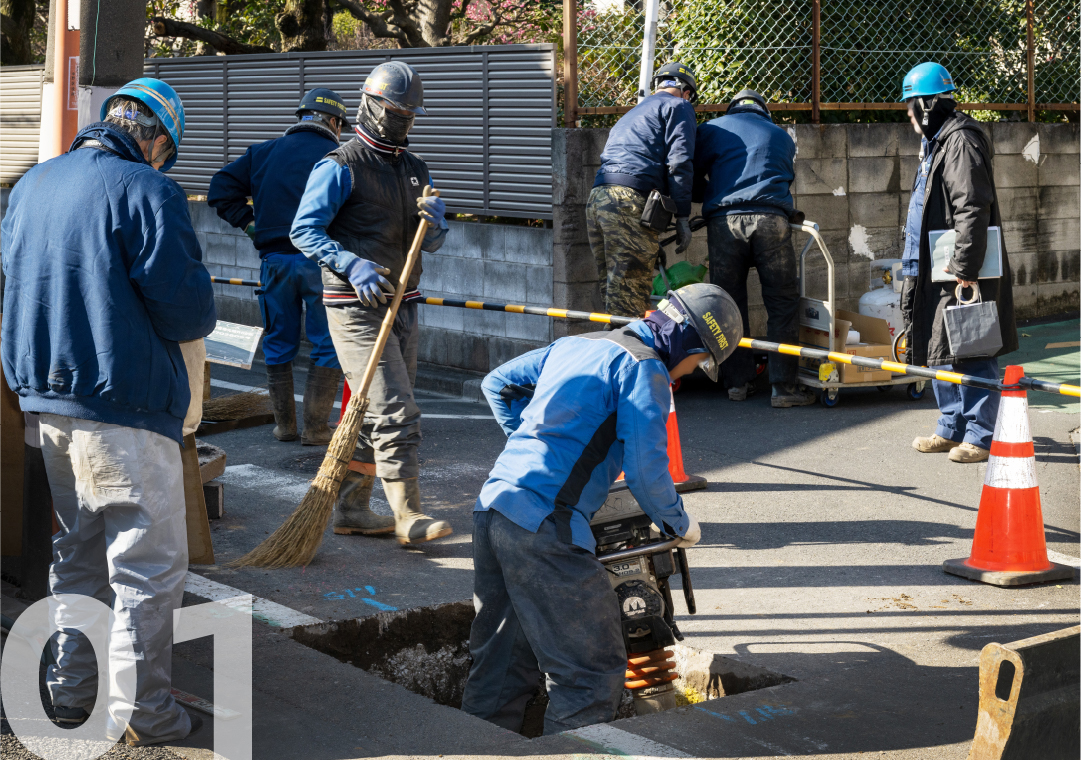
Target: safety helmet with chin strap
397	83
927	80
713	314
165	104
674	70
324	101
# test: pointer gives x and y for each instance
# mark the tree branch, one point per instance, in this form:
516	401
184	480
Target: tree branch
377	22
167	27
497	21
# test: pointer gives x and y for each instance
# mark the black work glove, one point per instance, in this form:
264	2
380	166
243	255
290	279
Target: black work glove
683	233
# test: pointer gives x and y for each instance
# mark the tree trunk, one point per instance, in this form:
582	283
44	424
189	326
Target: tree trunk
301	26
206	9
15	25
433	18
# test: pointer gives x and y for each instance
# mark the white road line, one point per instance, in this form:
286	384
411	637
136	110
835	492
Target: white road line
226	385
615	740
1064	559
264	610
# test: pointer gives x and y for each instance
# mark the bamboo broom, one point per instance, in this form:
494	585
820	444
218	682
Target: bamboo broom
297	540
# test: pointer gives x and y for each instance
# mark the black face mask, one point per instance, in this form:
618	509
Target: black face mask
383	122
942	108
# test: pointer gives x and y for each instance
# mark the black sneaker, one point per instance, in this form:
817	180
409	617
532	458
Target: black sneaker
70	715
785	395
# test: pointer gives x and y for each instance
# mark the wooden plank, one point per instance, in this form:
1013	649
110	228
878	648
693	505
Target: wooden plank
200	547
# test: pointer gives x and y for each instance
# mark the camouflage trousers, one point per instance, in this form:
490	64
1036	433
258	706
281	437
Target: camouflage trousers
626	252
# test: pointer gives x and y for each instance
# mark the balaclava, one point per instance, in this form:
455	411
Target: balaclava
942	108
672	341
382	122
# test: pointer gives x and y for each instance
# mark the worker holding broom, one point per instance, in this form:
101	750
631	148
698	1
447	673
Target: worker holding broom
357	219
576	413
274	174
104	281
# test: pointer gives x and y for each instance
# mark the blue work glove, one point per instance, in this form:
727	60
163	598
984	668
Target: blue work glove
432	208
367	279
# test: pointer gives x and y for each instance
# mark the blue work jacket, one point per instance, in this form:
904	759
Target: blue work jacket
652	148
596	410
744	164
273	174
104	279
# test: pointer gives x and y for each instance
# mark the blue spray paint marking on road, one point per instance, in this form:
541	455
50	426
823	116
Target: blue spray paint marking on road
336	595
766	712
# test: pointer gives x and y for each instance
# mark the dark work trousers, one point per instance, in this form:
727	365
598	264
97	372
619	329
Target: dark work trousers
738	242
543	606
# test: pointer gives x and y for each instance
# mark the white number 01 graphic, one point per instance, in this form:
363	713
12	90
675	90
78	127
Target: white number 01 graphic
228	621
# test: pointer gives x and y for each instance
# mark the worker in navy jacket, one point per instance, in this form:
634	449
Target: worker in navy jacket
104	281
743	172
599	404
273	174
650	148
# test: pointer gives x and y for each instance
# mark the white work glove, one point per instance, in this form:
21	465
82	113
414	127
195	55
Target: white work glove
692	536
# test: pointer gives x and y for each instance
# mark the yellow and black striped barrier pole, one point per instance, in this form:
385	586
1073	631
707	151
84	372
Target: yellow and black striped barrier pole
781	348
1029	383
236	281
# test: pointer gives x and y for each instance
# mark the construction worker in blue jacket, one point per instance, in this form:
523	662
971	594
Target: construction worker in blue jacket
357	219
650	148
743	172
273	174
104	283
599	404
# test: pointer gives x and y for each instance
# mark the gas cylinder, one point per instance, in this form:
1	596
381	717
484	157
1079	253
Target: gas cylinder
883	300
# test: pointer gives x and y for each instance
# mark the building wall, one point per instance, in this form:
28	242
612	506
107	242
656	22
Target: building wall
491	262
853	180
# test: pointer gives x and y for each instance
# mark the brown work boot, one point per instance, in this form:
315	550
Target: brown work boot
352	511
412	526
319	394
933	444
741	392
967	453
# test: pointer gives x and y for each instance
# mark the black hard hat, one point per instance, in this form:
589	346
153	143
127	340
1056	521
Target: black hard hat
713	314
324	101
397	83
748	98
680	71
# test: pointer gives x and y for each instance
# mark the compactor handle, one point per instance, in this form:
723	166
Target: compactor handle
685	580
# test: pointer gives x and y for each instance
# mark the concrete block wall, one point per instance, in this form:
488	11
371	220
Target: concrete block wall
491	262
854	181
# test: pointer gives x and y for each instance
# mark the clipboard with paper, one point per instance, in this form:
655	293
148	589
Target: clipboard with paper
942	243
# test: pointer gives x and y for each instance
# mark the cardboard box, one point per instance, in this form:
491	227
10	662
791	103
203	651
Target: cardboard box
875	343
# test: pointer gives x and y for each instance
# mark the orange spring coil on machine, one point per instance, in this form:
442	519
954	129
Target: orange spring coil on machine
650	669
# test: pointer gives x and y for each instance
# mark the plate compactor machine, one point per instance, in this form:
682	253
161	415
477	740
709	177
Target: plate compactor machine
640	561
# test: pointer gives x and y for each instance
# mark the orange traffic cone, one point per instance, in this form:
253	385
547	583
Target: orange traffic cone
683	481
1008	548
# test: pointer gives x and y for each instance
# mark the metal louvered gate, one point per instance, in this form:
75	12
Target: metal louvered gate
20	119
486	139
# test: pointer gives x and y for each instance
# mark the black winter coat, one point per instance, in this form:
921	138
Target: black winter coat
960	196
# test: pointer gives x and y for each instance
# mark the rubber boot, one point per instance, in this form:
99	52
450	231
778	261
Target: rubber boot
353	513
319	393
280	384
411	526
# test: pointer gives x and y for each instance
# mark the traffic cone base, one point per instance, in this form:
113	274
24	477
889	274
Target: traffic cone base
1008	548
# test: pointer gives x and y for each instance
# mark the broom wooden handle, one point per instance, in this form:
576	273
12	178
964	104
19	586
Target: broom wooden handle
392	312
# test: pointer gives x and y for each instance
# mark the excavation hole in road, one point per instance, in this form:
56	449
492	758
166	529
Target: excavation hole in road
426	650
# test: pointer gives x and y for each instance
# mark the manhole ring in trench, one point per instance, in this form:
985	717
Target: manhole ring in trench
426	650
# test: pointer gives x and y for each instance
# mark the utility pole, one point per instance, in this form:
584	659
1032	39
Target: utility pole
110	51
59	94
649	48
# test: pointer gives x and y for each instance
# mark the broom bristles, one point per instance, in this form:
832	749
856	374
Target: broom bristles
296	542
237	406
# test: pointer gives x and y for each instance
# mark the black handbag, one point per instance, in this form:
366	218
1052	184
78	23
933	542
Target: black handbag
658	212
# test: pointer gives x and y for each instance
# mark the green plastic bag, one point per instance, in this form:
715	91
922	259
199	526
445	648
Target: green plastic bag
679	274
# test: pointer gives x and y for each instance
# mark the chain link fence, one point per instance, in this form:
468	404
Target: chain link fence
864	49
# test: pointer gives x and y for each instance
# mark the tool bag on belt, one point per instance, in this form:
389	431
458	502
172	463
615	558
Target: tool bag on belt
658	211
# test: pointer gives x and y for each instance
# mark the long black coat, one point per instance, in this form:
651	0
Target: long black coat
960	196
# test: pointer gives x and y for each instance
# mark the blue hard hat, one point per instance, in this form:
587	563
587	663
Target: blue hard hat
163	101
926	79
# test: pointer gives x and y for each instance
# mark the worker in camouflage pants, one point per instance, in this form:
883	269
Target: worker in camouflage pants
650	148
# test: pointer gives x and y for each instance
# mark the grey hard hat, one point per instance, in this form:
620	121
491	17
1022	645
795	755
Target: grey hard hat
750	100
397	83
714	315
